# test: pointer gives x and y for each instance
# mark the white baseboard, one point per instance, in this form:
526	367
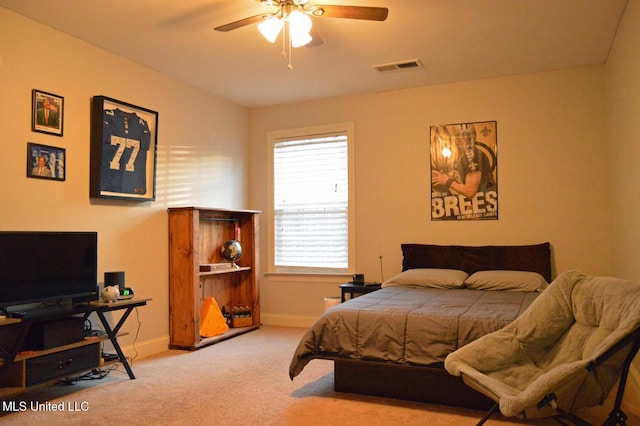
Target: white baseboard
144	349
287	320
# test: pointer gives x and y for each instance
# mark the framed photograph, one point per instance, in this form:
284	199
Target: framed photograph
464	171
47	112
46	162
123	150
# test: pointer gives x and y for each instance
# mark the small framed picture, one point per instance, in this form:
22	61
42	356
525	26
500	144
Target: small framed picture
46	162
123	150
48	113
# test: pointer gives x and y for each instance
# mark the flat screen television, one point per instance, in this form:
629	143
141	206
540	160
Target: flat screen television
47	266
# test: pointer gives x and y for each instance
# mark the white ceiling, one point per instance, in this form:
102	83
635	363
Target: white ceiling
456	40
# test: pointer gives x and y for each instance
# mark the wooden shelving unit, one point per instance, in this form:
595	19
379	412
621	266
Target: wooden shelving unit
195	237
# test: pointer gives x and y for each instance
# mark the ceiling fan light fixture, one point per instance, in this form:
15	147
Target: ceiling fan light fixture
270	28
300	21
293	20
299	27
300	39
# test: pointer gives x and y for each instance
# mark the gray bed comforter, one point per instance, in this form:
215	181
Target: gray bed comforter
417	326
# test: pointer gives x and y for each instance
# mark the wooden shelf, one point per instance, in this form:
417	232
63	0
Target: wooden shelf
87	341
225	271
34	354
207	341
9	391
195	237
7	321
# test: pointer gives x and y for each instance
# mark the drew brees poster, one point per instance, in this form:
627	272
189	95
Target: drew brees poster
464	178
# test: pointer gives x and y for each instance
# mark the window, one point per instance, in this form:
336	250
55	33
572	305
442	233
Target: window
311	224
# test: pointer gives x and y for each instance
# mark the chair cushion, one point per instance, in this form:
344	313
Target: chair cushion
548	348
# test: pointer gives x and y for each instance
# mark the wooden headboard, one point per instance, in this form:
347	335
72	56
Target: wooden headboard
535	258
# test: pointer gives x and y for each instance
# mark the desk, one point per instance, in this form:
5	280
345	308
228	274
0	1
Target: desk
353	289
17	330
100	308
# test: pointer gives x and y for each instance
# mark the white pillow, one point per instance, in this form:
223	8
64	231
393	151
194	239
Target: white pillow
428	277
506	280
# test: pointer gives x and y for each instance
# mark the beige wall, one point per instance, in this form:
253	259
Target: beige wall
623	137
550	133
623	140
201	157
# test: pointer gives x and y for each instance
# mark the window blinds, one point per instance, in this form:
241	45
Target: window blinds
311	203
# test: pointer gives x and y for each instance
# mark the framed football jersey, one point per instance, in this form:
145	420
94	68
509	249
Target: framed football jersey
123	150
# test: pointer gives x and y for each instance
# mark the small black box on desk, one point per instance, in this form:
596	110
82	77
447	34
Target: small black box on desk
59	332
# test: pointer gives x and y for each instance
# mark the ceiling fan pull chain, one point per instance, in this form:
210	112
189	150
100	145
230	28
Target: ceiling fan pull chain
286	43
290	66
283	53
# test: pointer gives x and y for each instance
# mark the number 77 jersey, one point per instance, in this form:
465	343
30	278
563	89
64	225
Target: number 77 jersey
125	144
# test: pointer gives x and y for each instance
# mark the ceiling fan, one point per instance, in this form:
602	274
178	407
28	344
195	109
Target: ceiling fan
293	18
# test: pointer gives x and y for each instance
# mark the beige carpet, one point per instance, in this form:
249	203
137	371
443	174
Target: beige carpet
242	381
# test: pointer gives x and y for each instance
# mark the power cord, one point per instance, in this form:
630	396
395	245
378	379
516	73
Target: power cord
95	374
135	337
102	372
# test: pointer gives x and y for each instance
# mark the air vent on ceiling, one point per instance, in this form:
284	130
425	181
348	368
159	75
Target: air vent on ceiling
399	66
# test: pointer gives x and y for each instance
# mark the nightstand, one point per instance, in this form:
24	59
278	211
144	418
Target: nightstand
353	289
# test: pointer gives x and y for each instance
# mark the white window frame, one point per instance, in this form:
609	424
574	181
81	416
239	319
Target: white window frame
311	132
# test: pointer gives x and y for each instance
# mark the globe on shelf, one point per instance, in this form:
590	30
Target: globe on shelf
231	251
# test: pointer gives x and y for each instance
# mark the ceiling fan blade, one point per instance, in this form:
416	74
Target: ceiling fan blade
243	22
315	39
352	12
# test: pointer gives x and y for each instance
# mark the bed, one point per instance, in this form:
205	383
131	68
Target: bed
392	342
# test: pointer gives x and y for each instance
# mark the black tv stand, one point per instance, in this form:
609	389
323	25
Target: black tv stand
20	369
